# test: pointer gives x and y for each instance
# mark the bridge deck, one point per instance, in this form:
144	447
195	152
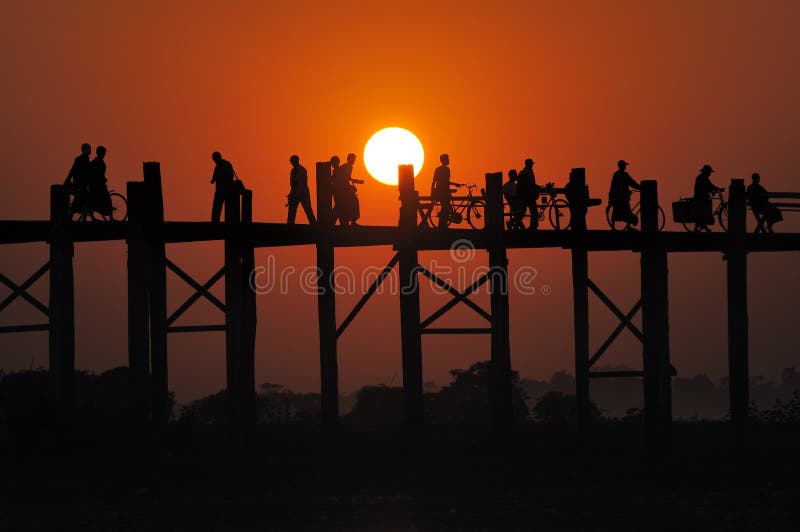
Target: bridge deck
277	234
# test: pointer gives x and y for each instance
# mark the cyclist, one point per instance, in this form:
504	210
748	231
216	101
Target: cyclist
99	198
79	176
440	189
619	195
528	193
703	188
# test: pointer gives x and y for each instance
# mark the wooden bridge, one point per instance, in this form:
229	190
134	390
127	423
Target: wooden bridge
147	233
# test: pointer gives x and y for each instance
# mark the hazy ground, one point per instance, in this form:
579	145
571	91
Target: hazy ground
371	482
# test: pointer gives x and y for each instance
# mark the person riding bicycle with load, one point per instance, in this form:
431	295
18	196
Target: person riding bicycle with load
703	188
99	197
440	189
528	193
79	176
619	195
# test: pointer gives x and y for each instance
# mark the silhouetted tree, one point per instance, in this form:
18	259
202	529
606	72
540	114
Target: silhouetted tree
465	399
377	406
556	408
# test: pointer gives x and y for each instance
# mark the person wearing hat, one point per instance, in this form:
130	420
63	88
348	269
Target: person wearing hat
619	195
703	188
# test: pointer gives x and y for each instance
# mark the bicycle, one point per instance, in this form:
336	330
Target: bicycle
470	207
720	213
557	211
87	211
625	225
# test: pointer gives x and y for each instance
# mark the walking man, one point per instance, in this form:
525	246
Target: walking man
298	192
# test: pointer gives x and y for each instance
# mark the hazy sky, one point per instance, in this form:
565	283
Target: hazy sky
669	86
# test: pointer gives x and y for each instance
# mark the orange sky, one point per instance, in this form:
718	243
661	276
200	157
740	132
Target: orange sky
668	86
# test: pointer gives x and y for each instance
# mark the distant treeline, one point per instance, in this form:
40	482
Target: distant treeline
26	405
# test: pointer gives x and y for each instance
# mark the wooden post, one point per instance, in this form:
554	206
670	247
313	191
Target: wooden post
737	312
500	390
157	284
234	318
250	318
580	318
62	302
655	322
411	340
577	195
138	318
326	304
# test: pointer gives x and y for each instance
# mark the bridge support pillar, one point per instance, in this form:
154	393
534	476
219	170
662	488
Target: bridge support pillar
655	323
736	255
138	317
326	304
62	301
411	340
157	288
500	387
249	316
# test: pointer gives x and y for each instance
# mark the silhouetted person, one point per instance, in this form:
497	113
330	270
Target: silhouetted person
577	194
223	178
98	189
510	195
353	203
528	193
440	190
346	208
619	195
703	188
79	176
298	191
758	197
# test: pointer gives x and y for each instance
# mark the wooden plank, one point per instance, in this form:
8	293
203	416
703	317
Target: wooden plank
456	330
195	328
24	328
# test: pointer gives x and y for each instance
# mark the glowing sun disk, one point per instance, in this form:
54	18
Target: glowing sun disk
390	147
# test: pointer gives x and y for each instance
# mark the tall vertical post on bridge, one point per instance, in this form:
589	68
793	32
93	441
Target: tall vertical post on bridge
410	338
234	316
500	391
138	316
249	311
736	255
655	322
157	288
580	303
326	303
62	300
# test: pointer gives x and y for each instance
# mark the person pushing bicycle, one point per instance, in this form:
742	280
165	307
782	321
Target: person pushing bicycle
619	195
440	190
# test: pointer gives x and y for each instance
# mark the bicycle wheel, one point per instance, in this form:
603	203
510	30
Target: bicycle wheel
436	214
559	214
662	218
476	215
722	216
615	225
119	208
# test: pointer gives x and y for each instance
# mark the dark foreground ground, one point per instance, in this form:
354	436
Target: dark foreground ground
371	481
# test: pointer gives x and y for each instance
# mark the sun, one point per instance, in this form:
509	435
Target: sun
390	147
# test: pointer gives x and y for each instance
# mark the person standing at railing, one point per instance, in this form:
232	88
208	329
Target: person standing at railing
703	188
298	192
758	197
528	194
440	190
510	194
98	196
223	178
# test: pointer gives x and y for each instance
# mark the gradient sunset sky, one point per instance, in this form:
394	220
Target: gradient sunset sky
668	86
